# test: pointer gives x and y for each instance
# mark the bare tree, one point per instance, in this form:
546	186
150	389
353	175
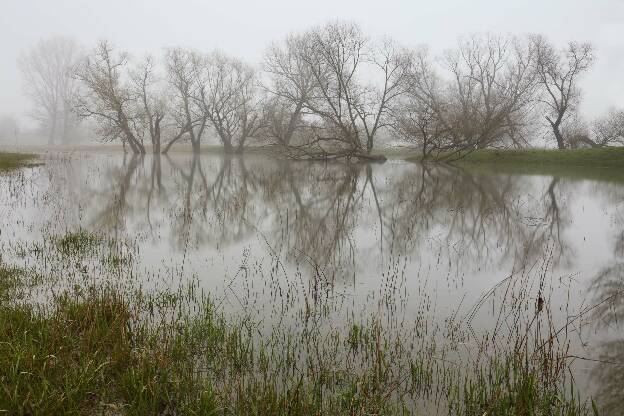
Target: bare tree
374	108
109	97
576	133
491	91
213	91
486	99
150	100
184	69
419	125
290	85
352	111
333	54
558	72
127	99
609	129
230	100
419	115
47	71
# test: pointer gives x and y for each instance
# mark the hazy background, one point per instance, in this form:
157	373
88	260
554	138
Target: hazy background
245	28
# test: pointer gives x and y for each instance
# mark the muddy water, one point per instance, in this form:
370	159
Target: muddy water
403	241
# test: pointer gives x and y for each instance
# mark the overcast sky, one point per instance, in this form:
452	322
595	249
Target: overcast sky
244	28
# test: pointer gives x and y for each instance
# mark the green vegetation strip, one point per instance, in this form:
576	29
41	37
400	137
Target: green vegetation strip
15	160
93	351
598	158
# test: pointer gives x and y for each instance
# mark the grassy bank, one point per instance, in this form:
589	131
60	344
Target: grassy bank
91	354
598	158
15	160
602	174
109	348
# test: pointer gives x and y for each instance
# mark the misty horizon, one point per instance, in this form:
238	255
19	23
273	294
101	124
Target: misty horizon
152	27
312	208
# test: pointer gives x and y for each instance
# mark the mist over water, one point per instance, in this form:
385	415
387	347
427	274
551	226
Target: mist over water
408	242
312	208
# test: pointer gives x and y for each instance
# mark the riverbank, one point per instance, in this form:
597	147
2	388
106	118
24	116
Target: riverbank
15	160
595	158
601	157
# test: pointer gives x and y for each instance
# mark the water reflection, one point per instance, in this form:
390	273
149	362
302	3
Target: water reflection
330	213
435	226
608	375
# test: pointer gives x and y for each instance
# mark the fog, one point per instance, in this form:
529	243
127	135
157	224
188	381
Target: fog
325	207
245	28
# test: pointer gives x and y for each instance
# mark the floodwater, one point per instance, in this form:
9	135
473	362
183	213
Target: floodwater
398	238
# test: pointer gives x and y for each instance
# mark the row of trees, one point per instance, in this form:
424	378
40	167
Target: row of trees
491	92
327	92
313	99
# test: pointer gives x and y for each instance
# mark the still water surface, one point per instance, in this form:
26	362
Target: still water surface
399	239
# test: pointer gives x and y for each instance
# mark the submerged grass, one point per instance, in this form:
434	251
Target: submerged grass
77	243
99	349
15	160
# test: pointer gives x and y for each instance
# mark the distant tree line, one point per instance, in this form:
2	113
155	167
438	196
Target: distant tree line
328	92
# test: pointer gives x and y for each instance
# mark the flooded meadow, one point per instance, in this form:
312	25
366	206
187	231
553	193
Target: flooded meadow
348	288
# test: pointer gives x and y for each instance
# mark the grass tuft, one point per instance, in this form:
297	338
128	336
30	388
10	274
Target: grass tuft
78	243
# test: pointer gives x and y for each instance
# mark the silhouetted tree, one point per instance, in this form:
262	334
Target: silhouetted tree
558	72
47	71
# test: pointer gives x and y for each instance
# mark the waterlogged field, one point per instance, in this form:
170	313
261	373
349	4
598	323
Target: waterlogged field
215	285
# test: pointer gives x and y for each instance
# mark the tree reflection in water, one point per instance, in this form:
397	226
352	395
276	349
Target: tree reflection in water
608	374
328	213
355	221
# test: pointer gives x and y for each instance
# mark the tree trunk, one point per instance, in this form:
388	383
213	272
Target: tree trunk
589	142
369	144
294	118
168	145
157	170
558	136
65	125
156	132
133	146
156	140
241	144
227	146
195	144
141	148
52	132
557	132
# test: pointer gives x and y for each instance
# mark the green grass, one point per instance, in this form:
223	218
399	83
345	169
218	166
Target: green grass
77	243
83	358
103	350
597	158
15	160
